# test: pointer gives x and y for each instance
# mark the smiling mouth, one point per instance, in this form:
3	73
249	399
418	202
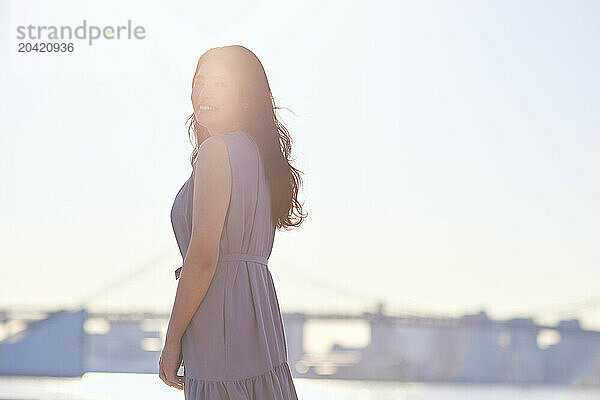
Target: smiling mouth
207	108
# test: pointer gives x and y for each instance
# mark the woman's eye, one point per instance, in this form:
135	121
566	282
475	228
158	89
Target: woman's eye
200	83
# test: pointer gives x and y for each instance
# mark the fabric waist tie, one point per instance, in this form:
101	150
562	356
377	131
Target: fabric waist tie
243	257
234	257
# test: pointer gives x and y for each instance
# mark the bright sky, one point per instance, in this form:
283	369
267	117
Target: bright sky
450	153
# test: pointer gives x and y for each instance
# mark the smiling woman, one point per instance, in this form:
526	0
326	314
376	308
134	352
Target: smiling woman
226	325
216	98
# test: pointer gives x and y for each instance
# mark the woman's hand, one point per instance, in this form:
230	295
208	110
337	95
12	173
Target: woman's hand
169	363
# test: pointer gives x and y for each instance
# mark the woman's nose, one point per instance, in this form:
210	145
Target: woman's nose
204	91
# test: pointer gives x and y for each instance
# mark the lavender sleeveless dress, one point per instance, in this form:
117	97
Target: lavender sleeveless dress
235	347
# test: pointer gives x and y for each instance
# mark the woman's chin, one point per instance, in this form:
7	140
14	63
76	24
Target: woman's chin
204	120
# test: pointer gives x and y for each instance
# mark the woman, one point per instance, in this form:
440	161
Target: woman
226	324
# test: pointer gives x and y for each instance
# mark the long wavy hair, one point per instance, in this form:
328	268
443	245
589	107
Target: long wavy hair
261	122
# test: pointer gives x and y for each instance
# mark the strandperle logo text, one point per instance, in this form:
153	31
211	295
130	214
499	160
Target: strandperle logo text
82	32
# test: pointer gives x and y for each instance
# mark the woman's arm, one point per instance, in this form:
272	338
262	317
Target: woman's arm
212	192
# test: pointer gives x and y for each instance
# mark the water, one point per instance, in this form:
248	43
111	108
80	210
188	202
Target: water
105	386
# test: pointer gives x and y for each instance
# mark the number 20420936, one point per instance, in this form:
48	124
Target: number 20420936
46	47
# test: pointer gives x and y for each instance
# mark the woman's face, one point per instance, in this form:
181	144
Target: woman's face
215	98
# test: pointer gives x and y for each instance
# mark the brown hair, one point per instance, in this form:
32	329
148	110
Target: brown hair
269	133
